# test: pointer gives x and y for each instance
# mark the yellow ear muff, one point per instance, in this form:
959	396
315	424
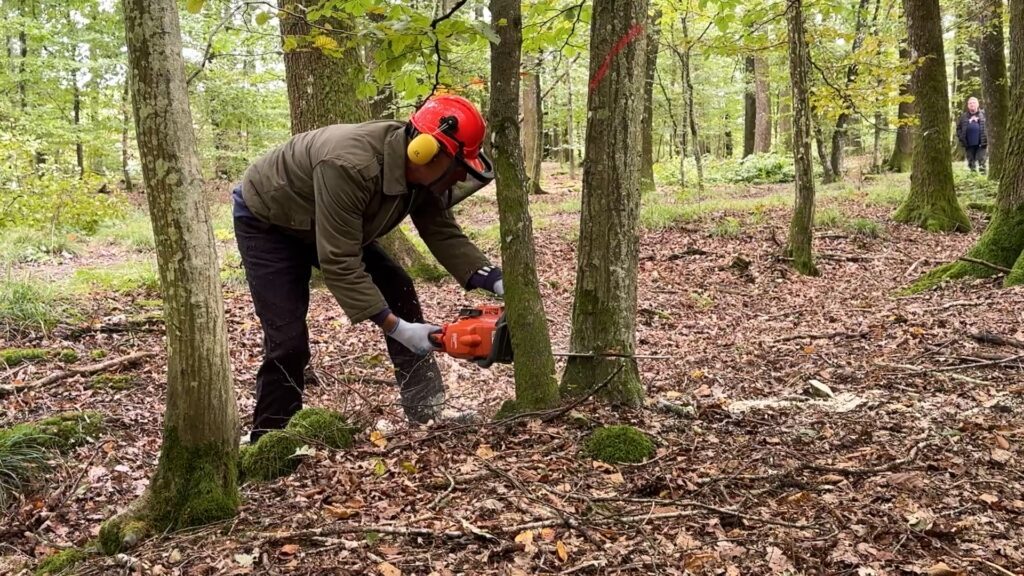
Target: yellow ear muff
422	149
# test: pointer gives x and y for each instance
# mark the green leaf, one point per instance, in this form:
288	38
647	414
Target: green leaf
503	22
194	6
380	469
262	17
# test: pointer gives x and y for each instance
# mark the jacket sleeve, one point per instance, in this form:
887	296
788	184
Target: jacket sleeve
447	242
341	196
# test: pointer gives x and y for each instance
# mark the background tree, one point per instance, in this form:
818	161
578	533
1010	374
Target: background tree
536	385
604	309
196	478
533	128
749	107
1002	243
647	131
903	150
932	203
991	54
763	107
801	226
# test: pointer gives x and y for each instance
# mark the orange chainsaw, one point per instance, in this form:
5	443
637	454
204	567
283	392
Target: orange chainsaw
480	334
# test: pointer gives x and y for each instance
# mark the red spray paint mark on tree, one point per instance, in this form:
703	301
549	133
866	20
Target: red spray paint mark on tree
628	37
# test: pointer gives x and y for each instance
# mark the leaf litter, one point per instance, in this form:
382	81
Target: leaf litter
906	470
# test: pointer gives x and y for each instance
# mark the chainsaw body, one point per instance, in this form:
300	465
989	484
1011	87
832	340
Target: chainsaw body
480	334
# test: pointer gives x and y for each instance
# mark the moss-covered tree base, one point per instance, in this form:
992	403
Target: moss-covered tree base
617	444
583	375
1016	276
1001	244
933	216
274	454
193	486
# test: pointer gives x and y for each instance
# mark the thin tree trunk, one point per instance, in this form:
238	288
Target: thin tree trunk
785	130
801	228
196	478
993	81
827	176
691	118
533	130
647	150
932	203
763	103
903	149
76	111
125	128
604	309
536	385
570	125
749	107
839	131
876	145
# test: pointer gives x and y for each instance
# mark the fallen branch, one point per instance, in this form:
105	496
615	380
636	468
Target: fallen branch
990	338
952	368
82	371
692	504
954	304
867	470
821	336
995	267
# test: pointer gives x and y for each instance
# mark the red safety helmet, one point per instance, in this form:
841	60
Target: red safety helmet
459	128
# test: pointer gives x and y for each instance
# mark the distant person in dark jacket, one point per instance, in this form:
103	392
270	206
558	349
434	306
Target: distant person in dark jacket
970	130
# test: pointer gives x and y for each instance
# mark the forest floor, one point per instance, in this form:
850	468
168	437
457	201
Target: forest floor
913	466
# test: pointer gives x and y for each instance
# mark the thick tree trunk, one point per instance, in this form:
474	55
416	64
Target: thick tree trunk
903	149
932	202
749	107
125	128
536	384
876	143
533	129
321	87
1002	243
801	229
321	92
196	478
993	82
763	103
647	150
604	310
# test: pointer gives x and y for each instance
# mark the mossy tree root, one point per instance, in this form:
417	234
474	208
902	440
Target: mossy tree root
933	216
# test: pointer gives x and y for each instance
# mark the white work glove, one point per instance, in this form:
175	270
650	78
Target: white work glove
499	288
415	336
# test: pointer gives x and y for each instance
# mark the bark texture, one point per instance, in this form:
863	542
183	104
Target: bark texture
196	478
533	129
995	92
322	83
801	226
536	384
903	149
932	202
839	131
1002	243
604	310
763	103
647	151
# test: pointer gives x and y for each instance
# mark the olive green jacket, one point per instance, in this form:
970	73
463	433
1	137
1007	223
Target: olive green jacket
344	186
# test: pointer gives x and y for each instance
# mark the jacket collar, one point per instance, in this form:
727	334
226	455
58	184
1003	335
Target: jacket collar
394	163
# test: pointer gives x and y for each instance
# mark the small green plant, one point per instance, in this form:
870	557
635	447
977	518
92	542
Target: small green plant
98	354
29	305
14	356
23	245
123	278
701	300
829	218
134	232
232	273
112	382
23	459
727	228
68	356
618	444
59	203
754	169
865	227
656	216
223	222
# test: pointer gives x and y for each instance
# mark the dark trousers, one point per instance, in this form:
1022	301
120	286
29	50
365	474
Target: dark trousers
278	265
975	157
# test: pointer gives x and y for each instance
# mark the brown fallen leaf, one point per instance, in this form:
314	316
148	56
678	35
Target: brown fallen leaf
941	569
831	479
339	512
777	561
485	452
526	539
694	562
1001	456
388	569
1001	441
560	549
288	550
989	498
548	534
378	439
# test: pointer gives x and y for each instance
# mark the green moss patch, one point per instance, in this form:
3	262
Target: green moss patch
61	562
13	356
272	456
70	429
23	460
321	426
615	444
122	532
112	382
68	356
